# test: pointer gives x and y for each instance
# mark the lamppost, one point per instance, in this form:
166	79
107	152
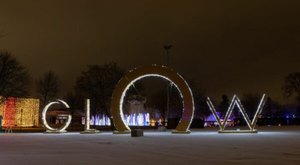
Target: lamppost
167	47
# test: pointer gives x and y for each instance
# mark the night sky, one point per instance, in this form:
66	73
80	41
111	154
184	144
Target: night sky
232	46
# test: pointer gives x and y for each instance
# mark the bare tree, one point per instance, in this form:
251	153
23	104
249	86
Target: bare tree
47	87
97	84
14	78
223	106
250	102
158	102
73	101
291	85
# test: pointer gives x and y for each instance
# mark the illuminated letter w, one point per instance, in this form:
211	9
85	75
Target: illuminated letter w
236	102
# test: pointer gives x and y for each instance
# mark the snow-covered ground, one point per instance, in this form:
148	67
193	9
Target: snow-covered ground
272	145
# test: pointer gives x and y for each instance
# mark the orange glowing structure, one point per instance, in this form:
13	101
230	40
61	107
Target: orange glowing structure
9	112
19	112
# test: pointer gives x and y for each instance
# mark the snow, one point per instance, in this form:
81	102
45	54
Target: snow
272	145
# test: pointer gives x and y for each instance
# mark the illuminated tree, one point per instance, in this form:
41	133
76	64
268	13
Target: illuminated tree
97	84
47	87
14	78
291	85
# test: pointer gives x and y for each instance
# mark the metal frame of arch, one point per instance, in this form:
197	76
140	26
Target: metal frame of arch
152	71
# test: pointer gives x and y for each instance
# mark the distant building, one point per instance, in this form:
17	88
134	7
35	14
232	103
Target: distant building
60	116
19	112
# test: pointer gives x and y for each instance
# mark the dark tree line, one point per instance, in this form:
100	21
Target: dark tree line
97	82
47	87
14	78
291	85
250	103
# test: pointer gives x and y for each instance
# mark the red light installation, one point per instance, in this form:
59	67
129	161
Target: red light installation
9	112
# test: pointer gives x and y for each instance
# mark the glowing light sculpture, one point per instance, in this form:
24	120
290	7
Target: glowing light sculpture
19	112
10	112
236	102
87	129
2	105
55	130
152	71
27	112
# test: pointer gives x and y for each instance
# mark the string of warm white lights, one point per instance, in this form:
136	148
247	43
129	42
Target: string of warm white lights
87	129
141	77
50	129
87	115
19	112
152	71
236	102
214	112
259	110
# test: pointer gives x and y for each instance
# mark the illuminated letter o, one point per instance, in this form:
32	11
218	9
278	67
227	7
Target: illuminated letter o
152	71
55	130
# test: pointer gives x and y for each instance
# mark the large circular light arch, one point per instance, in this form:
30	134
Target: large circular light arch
152	71
55	130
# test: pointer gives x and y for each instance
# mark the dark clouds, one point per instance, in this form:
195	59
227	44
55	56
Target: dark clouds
226	46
